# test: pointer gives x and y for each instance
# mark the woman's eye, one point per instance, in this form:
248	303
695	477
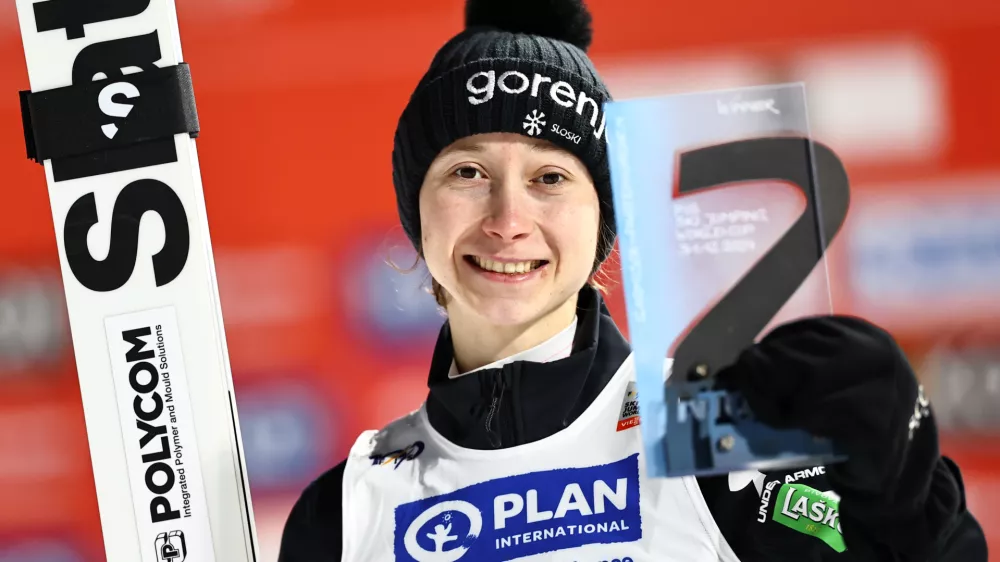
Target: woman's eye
468	173
551	178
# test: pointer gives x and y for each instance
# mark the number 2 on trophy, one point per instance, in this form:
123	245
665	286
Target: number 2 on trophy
740	315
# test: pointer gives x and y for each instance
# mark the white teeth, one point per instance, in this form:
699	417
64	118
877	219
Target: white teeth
508	268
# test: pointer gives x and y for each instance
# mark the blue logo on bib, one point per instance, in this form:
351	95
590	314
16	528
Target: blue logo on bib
523	515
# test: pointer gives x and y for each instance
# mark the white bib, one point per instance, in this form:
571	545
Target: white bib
580	495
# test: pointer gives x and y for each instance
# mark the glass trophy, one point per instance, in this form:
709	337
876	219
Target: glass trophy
724	207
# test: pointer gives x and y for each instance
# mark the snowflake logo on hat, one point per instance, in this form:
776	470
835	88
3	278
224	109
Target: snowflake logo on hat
533	122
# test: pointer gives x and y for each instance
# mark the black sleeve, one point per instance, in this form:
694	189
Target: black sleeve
913	515
313	532
963	538
895	497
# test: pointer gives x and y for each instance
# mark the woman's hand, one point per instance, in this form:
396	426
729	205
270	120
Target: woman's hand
847	380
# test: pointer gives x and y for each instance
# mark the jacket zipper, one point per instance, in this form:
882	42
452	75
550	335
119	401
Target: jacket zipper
495	436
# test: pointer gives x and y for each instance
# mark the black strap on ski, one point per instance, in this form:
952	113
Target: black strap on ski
145	106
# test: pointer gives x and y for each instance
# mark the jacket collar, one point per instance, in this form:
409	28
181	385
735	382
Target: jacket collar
524	401
556	347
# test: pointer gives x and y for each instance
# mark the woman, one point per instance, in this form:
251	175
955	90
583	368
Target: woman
502	185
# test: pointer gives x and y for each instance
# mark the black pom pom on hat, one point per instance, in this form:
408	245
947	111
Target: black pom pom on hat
519	66
563	20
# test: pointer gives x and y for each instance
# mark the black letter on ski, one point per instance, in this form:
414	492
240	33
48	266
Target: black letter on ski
135	200
109	58
74	14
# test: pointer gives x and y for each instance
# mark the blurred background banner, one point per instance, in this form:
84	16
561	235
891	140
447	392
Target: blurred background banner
298	101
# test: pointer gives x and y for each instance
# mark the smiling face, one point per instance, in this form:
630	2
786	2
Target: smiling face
509	227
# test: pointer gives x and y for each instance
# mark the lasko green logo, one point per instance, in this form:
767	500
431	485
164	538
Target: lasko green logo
812	512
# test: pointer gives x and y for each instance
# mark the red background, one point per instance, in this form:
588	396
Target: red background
298	101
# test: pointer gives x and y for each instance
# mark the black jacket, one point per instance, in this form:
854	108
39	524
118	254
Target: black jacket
527	401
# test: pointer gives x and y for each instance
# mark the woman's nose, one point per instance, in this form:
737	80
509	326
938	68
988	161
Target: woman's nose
509	215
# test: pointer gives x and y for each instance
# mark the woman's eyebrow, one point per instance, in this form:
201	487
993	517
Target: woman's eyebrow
464	147
544	147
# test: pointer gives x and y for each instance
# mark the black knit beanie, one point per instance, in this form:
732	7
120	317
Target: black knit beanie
520	66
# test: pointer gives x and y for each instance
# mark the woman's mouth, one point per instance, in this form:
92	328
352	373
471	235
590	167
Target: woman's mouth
506	269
